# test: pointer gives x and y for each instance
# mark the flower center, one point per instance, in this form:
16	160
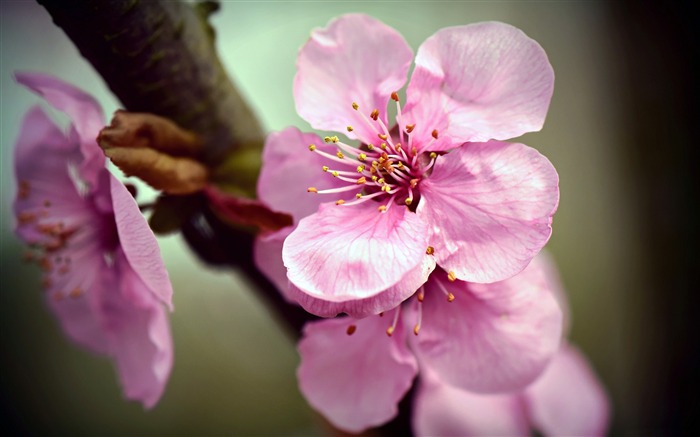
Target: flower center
387	171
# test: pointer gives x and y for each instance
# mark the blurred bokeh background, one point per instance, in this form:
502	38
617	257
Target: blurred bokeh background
624	237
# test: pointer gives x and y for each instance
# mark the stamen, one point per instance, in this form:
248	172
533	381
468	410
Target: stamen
416	328
339	154
435	134
311	190
351	329
383	137
450	296
394	96
390	330
355	106
451	276
430	250
421	294
350	129
312	147
339	202
374	115
337	190
410	127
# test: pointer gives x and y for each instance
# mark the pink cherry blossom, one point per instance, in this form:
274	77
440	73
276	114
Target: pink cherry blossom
441	181
492	338
567	399
104	278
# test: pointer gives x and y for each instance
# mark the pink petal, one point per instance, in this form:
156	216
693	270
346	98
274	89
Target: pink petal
479	82
137	326
139	244
442	410
568	399
344	253
384	301
267	253
46	192
544	261
80	319
355	381
354	59
490	206
493	338
289	168
84	112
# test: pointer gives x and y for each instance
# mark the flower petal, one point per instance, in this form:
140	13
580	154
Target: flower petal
442	410
354	252
46	192
568	399
84	111
384	301
139	244
267	253
289	168
137	326
493	338
479	82
356	381
354	59
490	206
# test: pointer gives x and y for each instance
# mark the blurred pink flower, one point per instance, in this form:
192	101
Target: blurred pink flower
493	338
567	399
440	187
104	278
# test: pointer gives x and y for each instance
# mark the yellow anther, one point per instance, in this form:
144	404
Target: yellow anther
416	329
370	146
400	165
451	276
351	329
362	180
312	147
435	133
382	208
382	136
358	196
410	127
334	173
374	179
430	250
375	163
327	139
383	145
325	168
350	129
414	182
397	147
450	297
394	96
339	154
386	188
421	296
408	201
389	331
339	202
334	139
361	156
311	190
355	106
381	181
433	155
374	114
360	168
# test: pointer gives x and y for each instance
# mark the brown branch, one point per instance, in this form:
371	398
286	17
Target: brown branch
158	56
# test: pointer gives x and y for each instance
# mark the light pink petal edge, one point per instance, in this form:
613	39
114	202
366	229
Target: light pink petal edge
490	207
139	243
84	111
344	253
356	381
479	82
355	58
